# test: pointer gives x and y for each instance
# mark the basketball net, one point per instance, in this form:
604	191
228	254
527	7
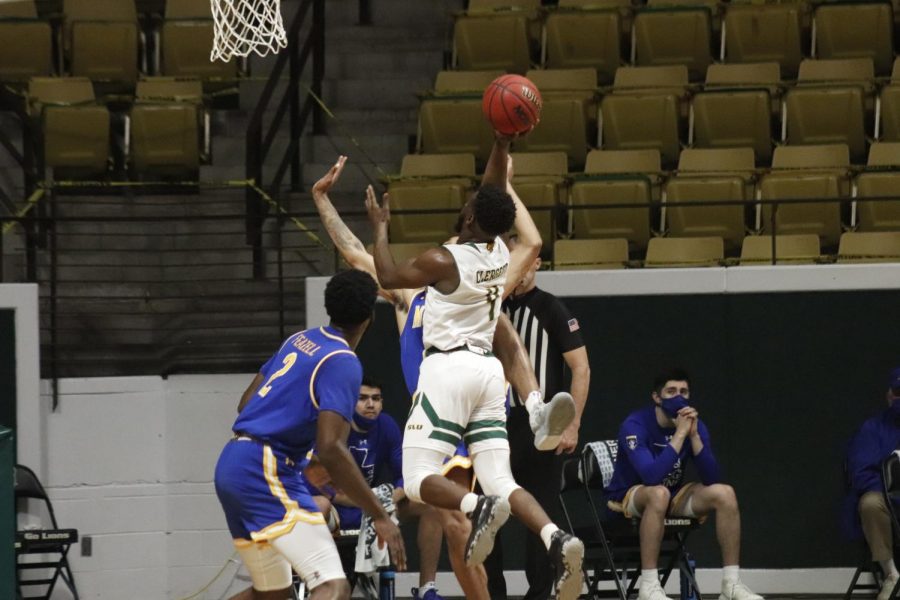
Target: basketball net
245	26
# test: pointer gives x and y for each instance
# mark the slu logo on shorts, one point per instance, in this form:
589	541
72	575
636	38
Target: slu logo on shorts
415	426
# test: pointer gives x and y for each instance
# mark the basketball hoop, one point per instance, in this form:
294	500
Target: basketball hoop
245	26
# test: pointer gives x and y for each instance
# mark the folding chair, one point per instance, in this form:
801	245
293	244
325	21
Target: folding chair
612	543
51	544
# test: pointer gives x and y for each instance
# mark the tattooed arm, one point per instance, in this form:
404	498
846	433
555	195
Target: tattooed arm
346	242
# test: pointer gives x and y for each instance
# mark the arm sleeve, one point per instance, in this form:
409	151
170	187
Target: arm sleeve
337	384
651	469
864	460
564	328
707	465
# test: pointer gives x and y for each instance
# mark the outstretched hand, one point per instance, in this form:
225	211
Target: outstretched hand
378	214
388	533
327	181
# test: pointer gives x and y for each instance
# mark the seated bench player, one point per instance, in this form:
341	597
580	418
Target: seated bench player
648	482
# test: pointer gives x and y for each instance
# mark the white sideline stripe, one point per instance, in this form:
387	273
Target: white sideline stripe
762	581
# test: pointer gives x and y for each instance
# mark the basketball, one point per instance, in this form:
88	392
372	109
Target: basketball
512	104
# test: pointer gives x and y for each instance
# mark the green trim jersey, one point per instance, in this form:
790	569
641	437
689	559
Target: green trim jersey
467	316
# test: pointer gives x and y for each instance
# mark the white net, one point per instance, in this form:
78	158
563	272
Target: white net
245	26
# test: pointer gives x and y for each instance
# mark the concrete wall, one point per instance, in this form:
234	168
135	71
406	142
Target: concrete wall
131	464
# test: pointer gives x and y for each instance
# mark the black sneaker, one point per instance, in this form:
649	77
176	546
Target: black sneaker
489	515
567	554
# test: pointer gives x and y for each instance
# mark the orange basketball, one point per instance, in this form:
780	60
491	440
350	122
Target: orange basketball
512	104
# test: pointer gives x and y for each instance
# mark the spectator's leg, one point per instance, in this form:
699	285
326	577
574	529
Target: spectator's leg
650	503
876	523
700	500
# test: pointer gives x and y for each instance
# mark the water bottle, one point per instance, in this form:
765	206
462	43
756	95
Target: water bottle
687	591
386	585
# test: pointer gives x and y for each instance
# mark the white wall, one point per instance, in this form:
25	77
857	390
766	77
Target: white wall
131	464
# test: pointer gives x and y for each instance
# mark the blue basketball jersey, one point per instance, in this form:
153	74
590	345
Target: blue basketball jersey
412	346
313	370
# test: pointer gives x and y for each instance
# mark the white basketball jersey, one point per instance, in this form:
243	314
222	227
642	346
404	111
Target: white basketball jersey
468	315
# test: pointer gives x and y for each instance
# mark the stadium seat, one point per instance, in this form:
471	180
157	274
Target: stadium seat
828	104
102	38
570	255
568	100
805	173
429	182
887	123
735	108
540	180
451	119
585	33
645	110
855	30
76	130
881	179
496	34
674	32
615	177
789	249
185	40
612	543
710	176
165	126
869	247
685	252
755	33
26	41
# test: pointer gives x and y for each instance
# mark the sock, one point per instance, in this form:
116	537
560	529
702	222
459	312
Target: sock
649	576
428	586
534	400
888	568
468	503
547	532
731	573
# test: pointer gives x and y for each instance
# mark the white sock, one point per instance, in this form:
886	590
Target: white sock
888	568
428	586
468	503
547	532
649	576
731	573
533	401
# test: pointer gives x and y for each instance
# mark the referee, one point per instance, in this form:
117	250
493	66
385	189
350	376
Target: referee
552	337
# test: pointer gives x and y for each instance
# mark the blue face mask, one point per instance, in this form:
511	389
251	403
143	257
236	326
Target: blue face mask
364	423
672	405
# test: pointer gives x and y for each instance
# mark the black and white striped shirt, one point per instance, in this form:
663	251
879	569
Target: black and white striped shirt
547	330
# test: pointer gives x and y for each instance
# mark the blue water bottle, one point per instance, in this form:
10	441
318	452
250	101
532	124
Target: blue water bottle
687	590
386	585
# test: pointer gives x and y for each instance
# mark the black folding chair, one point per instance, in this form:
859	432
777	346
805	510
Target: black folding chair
890	477
50	546
612	542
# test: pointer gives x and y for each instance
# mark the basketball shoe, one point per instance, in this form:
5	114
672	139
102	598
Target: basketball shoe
567	554
549	420
489	515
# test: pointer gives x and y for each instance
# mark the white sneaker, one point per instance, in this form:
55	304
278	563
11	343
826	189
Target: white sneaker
652	591
737	591
548	421
887	587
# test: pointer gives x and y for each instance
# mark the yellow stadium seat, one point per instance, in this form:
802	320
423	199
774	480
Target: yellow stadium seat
685	252
186	39
789	249
871	247
735	108
828	104
571	255
26	41
670	32
645	110
754	33
855	30
887	124
585	33
881	179
102	38
165	126
615	177
496	35
76	131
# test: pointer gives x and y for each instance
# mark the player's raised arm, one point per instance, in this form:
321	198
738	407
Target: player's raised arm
497	163
522	255
433	267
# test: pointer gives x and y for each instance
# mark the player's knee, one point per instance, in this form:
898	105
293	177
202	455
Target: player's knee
503	485
494	474
418	464
872	502
657	497
724	496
